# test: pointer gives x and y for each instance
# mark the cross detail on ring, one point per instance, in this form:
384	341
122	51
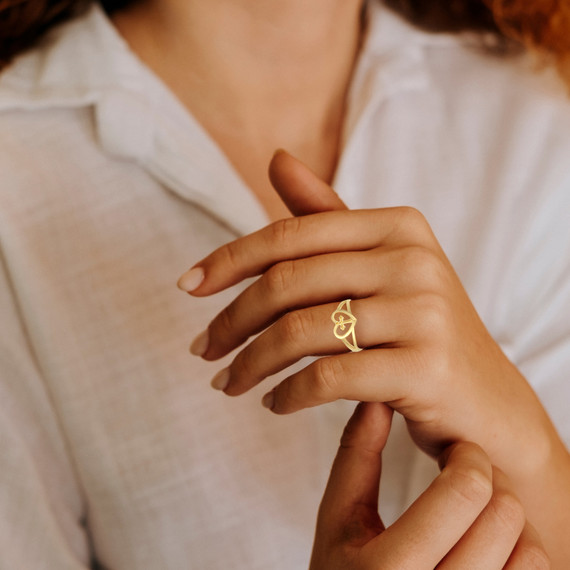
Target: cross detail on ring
340	323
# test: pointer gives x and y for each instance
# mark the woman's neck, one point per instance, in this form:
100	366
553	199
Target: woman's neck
257	74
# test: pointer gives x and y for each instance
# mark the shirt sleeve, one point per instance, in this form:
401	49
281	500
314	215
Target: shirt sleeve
41	508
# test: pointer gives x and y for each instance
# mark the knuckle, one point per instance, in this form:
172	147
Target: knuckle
508	510
357	529
533	556
223	324
435	331
327	378
244	365
414	225
288	395
471	485
433	316
295	327
230	253
283	232
423	266
291	395
438	369
277	279
410	215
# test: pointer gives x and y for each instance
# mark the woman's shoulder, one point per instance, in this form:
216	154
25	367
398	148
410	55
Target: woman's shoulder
42	159
48	120
72	67
26	135
475	86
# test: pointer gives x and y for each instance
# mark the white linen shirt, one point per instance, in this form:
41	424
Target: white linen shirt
114	448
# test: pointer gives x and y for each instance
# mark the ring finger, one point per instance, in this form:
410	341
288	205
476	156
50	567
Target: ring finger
310	332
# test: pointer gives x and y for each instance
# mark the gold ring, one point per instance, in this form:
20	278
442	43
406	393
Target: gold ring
344	323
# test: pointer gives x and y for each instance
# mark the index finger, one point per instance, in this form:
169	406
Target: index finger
349	509
306	236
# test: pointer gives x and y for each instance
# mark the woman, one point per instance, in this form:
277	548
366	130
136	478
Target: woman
116	450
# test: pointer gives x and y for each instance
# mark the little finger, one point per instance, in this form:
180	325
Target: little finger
375	375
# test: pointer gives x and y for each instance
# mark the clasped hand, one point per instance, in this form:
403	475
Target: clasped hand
468	517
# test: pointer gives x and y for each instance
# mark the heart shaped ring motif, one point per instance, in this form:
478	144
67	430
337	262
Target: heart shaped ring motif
344	324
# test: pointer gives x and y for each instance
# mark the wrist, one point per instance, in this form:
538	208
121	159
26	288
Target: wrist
545	495
531	445
538	464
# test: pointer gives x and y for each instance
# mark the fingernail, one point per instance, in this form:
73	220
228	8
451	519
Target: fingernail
221	379
191	279
199	345
268	401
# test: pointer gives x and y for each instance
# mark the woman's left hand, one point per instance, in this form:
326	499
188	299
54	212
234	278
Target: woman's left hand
426	354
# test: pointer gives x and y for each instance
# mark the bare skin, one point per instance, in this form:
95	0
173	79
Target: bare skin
480	523
257	75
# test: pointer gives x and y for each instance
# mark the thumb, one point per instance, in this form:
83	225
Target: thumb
302	191
349	509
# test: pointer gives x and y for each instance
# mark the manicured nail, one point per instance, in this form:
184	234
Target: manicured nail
191	279
200	344
221	379
268	401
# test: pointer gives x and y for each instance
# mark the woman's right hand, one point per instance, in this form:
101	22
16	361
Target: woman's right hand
467	518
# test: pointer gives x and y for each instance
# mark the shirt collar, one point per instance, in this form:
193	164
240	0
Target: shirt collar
393	60
86	63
